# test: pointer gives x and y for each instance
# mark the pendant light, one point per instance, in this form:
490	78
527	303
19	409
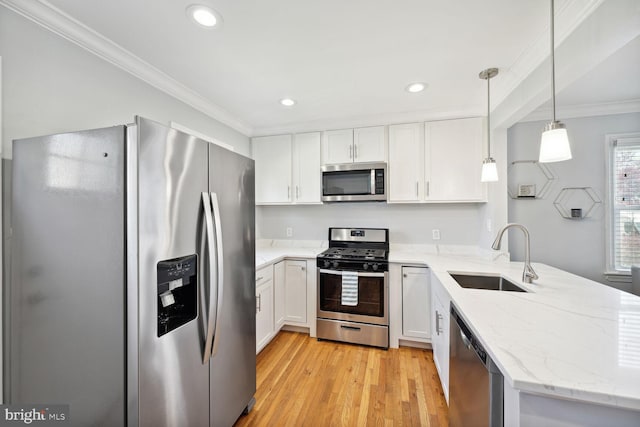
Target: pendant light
489	168
554	144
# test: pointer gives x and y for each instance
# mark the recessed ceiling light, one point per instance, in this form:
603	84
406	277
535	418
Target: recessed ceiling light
204	15
416	87
287	102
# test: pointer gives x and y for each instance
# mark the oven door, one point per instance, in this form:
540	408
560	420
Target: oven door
373	296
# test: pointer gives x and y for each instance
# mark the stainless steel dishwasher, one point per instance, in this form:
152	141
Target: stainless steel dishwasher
475	382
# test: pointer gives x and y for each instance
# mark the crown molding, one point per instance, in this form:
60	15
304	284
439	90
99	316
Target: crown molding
586	110
55	20
371	120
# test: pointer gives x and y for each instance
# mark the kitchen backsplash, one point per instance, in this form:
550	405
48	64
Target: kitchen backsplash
411	224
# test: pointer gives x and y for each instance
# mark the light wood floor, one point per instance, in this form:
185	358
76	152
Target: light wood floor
305	382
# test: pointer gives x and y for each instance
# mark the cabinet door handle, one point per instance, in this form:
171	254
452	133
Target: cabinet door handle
259	303
427	185
351	152
302	268
259	278
297	192
355	151
288	192
417	188
404	275
438	319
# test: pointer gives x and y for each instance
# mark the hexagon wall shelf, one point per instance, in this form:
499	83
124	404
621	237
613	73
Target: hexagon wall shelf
531	179
576	202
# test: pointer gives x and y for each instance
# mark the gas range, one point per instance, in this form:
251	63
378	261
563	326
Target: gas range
356	249
353	287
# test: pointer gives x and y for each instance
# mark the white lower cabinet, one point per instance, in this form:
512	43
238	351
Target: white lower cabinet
440	302
283	298
279	294
264	307
416	302
295	285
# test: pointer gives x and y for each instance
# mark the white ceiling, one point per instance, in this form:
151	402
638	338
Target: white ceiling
616	79
341	60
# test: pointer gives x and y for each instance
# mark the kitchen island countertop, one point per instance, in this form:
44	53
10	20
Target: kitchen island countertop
567	337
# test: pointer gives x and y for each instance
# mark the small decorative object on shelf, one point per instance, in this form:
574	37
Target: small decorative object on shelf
526	190
576	202
529	179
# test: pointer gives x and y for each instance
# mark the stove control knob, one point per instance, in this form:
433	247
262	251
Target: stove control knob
335	264
326	264
375	267
365	266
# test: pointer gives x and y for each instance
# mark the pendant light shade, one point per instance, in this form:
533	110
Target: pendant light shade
489	168
554	144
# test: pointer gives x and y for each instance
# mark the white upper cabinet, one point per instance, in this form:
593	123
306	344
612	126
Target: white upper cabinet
436	162
453	160
406	165
272	155
306	168
337	146
433	162
359	145
369	144
287	169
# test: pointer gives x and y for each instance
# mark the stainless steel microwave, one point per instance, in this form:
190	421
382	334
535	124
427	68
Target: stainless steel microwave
354	182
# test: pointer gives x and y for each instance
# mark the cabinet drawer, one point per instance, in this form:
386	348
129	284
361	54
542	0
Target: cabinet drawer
264	275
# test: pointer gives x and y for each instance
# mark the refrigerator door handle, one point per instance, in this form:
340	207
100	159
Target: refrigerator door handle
219	268
206	203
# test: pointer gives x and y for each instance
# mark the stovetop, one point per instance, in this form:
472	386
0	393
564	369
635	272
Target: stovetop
355	253
356	249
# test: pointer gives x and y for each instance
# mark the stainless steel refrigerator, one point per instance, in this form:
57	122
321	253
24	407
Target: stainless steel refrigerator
132	293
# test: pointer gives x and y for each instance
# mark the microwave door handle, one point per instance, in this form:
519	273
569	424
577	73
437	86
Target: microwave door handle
206	203
219	270
373	181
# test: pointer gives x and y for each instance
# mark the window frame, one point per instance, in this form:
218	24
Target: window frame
610	143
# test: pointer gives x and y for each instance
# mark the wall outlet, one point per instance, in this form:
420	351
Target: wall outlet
436	234
289	232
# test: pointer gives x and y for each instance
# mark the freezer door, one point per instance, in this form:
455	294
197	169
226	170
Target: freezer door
65	335
233	361
173	380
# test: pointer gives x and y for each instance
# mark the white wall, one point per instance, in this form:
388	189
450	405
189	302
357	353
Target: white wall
412	223
577	246
52	85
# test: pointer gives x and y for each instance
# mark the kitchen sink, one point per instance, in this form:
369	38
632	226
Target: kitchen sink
489	282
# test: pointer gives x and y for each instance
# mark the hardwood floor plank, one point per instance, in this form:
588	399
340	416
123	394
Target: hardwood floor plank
305	382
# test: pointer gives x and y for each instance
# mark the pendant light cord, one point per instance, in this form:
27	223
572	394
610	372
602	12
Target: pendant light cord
553	66
488	118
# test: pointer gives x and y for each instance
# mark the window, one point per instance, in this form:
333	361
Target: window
624	202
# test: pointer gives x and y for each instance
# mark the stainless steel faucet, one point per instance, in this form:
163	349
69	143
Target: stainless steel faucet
528	275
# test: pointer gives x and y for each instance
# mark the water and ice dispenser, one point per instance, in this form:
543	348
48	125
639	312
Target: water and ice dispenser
177	292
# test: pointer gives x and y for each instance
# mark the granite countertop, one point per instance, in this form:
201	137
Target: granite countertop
567	337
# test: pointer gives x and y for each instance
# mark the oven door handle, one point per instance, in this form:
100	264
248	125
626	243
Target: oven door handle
360	273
